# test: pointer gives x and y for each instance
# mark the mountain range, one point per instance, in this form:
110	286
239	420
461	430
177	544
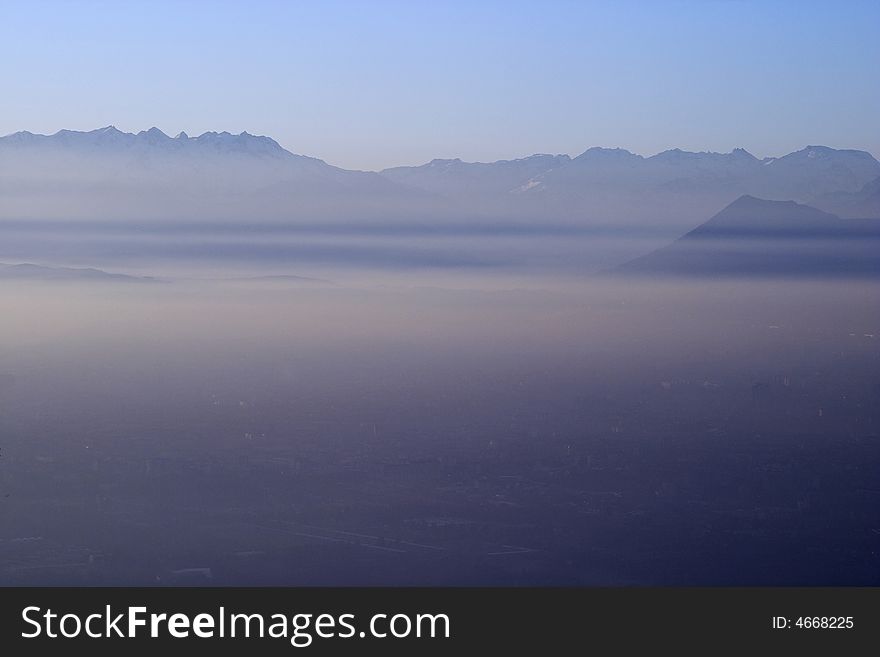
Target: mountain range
108	174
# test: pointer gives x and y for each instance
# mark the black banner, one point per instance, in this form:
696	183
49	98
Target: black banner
437	621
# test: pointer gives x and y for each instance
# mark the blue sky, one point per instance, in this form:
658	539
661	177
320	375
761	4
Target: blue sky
378	83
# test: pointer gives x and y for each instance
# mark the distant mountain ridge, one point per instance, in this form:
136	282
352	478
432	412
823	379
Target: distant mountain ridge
458	177
110	174
110	136
615	185
113	175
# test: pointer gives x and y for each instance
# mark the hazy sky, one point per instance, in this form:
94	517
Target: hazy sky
370	84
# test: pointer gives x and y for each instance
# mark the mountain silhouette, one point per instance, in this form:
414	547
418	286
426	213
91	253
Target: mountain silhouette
108	174
752	237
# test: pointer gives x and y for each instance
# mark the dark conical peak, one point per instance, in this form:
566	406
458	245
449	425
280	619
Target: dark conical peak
749	202
182	135
749	214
